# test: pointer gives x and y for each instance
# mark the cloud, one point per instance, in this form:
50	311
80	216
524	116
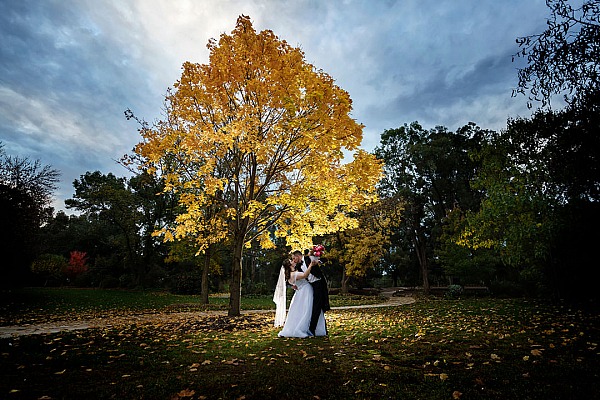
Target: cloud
69	69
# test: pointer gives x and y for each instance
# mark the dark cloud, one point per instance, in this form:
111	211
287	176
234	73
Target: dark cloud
69	68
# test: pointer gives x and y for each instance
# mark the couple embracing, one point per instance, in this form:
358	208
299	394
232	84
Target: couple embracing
311	298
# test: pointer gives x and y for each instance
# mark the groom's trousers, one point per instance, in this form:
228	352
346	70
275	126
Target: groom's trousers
320	303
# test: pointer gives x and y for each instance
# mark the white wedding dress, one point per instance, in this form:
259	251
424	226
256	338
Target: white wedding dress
298	318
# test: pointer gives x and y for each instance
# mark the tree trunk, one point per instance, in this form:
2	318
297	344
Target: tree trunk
345	280
425	271
235	288
204	287
421	250
253	267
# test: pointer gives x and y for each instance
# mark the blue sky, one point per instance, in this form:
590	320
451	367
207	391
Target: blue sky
70	68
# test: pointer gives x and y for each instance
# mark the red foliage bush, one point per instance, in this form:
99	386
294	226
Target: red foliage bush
77	264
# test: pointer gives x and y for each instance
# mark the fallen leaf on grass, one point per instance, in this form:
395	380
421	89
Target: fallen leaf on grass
456	395
536	352
185	393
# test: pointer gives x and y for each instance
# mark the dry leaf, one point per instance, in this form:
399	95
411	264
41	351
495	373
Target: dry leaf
186	393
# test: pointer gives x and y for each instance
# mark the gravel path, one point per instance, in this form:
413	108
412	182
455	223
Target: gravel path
65	326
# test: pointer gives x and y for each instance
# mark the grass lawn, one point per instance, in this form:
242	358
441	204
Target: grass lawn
436	349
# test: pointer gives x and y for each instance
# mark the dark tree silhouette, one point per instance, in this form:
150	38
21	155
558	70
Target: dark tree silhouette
565	58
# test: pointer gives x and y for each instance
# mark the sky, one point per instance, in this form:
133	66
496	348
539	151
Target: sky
70	68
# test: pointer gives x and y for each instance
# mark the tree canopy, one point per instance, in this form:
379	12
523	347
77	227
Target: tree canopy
565	58
26	189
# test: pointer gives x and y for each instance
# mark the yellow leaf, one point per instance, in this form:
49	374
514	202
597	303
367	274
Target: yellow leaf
186	393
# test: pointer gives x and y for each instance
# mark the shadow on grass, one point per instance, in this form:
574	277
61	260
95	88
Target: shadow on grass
475	349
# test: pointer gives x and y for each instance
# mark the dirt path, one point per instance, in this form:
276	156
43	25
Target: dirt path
65	326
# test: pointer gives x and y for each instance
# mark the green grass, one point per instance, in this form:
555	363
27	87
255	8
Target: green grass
34	305
467	349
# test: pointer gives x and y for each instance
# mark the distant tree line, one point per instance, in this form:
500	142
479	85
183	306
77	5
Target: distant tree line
516	210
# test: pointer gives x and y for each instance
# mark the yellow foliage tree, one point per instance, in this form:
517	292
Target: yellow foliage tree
361	248
257	136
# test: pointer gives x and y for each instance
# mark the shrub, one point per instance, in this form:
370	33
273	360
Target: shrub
77	264
454	291
49	266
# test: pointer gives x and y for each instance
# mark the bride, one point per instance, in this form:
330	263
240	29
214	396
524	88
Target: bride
298	318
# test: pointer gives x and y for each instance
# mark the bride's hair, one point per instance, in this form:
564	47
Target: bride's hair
287	268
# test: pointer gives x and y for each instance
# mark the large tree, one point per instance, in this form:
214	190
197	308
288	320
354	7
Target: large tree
541	180
260	135
565	58
361	249
430	172
26	189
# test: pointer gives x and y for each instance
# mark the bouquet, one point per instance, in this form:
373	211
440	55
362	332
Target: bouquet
318	250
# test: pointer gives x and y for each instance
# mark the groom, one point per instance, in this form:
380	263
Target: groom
320	291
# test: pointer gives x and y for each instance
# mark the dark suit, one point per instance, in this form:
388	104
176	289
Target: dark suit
320	295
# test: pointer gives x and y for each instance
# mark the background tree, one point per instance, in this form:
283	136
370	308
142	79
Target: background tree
565	58
50	267
132	207
466	265
261	133
541	180
361	249
106	198
430	171
26	189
